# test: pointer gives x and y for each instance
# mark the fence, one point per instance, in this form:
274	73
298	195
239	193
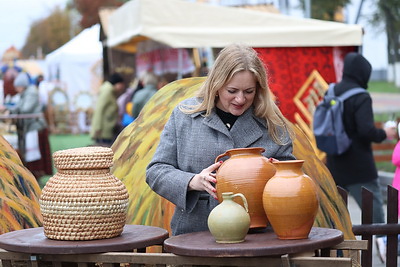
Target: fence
367	229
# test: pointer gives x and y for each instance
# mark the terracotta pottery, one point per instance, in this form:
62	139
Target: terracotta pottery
246	171
229	222
83	200
290	200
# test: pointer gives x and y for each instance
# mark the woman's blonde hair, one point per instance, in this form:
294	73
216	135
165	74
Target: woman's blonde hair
231	60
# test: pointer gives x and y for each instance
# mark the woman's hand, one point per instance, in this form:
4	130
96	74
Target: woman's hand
273	160
203	180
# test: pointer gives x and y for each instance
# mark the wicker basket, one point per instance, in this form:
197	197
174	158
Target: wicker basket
83	200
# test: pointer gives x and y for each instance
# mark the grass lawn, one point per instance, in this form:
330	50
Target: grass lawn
65	141
382	87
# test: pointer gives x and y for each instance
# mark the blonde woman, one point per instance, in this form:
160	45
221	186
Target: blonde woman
232	109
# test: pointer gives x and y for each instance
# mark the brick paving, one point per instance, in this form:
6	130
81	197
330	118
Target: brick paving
386	102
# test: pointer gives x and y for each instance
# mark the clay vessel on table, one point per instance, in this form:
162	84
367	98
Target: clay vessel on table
290	200
229	222
246	171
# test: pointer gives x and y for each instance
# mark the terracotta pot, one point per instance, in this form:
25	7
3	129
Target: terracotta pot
228	221
246	171
290	200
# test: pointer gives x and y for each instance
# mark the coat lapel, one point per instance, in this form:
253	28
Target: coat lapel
244	132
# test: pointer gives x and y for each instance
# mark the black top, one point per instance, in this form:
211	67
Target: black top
227	118
357	164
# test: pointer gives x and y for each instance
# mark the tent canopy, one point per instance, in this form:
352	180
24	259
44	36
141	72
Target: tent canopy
75	65
183	24
86	45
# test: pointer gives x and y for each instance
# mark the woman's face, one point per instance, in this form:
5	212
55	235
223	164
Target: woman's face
237	95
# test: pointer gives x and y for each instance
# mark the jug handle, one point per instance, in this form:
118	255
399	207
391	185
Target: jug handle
219	157
246	207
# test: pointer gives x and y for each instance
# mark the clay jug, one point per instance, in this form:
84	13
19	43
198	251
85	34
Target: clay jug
246	171
229	222
290	200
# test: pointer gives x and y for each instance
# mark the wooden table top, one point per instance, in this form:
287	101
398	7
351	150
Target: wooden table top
203	244
34	241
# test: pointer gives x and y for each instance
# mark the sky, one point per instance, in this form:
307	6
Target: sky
16	16
374	39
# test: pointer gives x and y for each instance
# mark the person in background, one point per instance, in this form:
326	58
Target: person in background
356	167
396	178
162	81
140	98
105	118
396	162
29	103
123	101
38	80
233	109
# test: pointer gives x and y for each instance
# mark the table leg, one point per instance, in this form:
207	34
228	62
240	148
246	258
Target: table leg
6	263
21	139
33	261
285	260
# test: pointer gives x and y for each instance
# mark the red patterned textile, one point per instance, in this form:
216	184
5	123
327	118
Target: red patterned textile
289	67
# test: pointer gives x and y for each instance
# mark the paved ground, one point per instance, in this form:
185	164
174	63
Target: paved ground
385	102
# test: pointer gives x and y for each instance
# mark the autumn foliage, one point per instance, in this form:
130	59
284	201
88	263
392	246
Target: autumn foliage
89	9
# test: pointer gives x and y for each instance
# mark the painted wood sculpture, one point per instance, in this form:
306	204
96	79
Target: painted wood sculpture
19	192
137	143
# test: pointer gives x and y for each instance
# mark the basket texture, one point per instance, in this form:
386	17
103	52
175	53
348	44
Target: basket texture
83	200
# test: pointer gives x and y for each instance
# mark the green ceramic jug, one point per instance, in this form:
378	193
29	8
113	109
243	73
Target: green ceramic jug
229	222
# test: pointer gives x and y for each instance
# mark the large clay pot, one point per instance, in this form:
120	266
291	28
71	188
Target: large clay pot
246	171
290	200
228	221
83	200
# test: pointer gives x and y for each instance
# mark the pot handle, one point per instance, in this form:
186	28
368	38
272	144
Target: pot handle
246	207
220	156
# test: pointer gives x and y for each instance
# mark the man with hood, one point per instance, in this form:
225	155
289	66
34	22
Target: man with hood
356	168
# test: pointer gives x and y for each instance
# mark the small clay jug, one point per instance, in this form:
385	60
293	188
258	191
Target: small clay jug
246	171
290	200
229	222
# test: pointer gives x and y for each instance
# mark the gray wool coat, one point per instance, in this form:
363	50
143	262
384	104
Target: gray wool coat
30	103
190	143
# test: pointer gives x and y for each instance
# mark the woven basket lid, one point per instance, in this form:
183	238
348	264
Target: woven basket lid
93	157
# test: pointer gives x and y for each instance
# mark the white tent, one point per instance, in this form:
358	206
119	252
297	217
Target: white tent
183	24
76	65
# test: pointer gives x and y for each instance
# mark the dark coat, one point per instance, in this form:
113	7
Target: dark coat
356	165
190	143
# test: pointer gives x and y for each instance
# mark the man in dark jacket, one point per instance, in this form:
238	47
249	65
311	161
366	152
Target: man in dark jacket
356	168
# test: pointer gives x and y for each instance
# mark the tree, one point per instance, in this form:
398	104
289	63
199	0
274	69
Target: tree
89	9
50	33
324	10
388	14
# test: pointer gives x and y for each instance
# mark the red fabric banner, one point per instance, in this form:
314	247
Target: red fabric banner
289	67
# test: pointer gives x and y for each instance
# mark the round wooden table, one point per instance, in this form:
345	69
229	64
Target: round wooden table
34	241
203	244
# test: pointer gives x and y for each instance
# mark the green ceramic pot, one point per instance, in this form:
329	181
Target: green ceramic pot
229	222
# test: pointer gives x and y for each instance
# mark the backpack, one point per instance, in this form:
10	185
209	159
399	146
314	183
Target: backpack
328	127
